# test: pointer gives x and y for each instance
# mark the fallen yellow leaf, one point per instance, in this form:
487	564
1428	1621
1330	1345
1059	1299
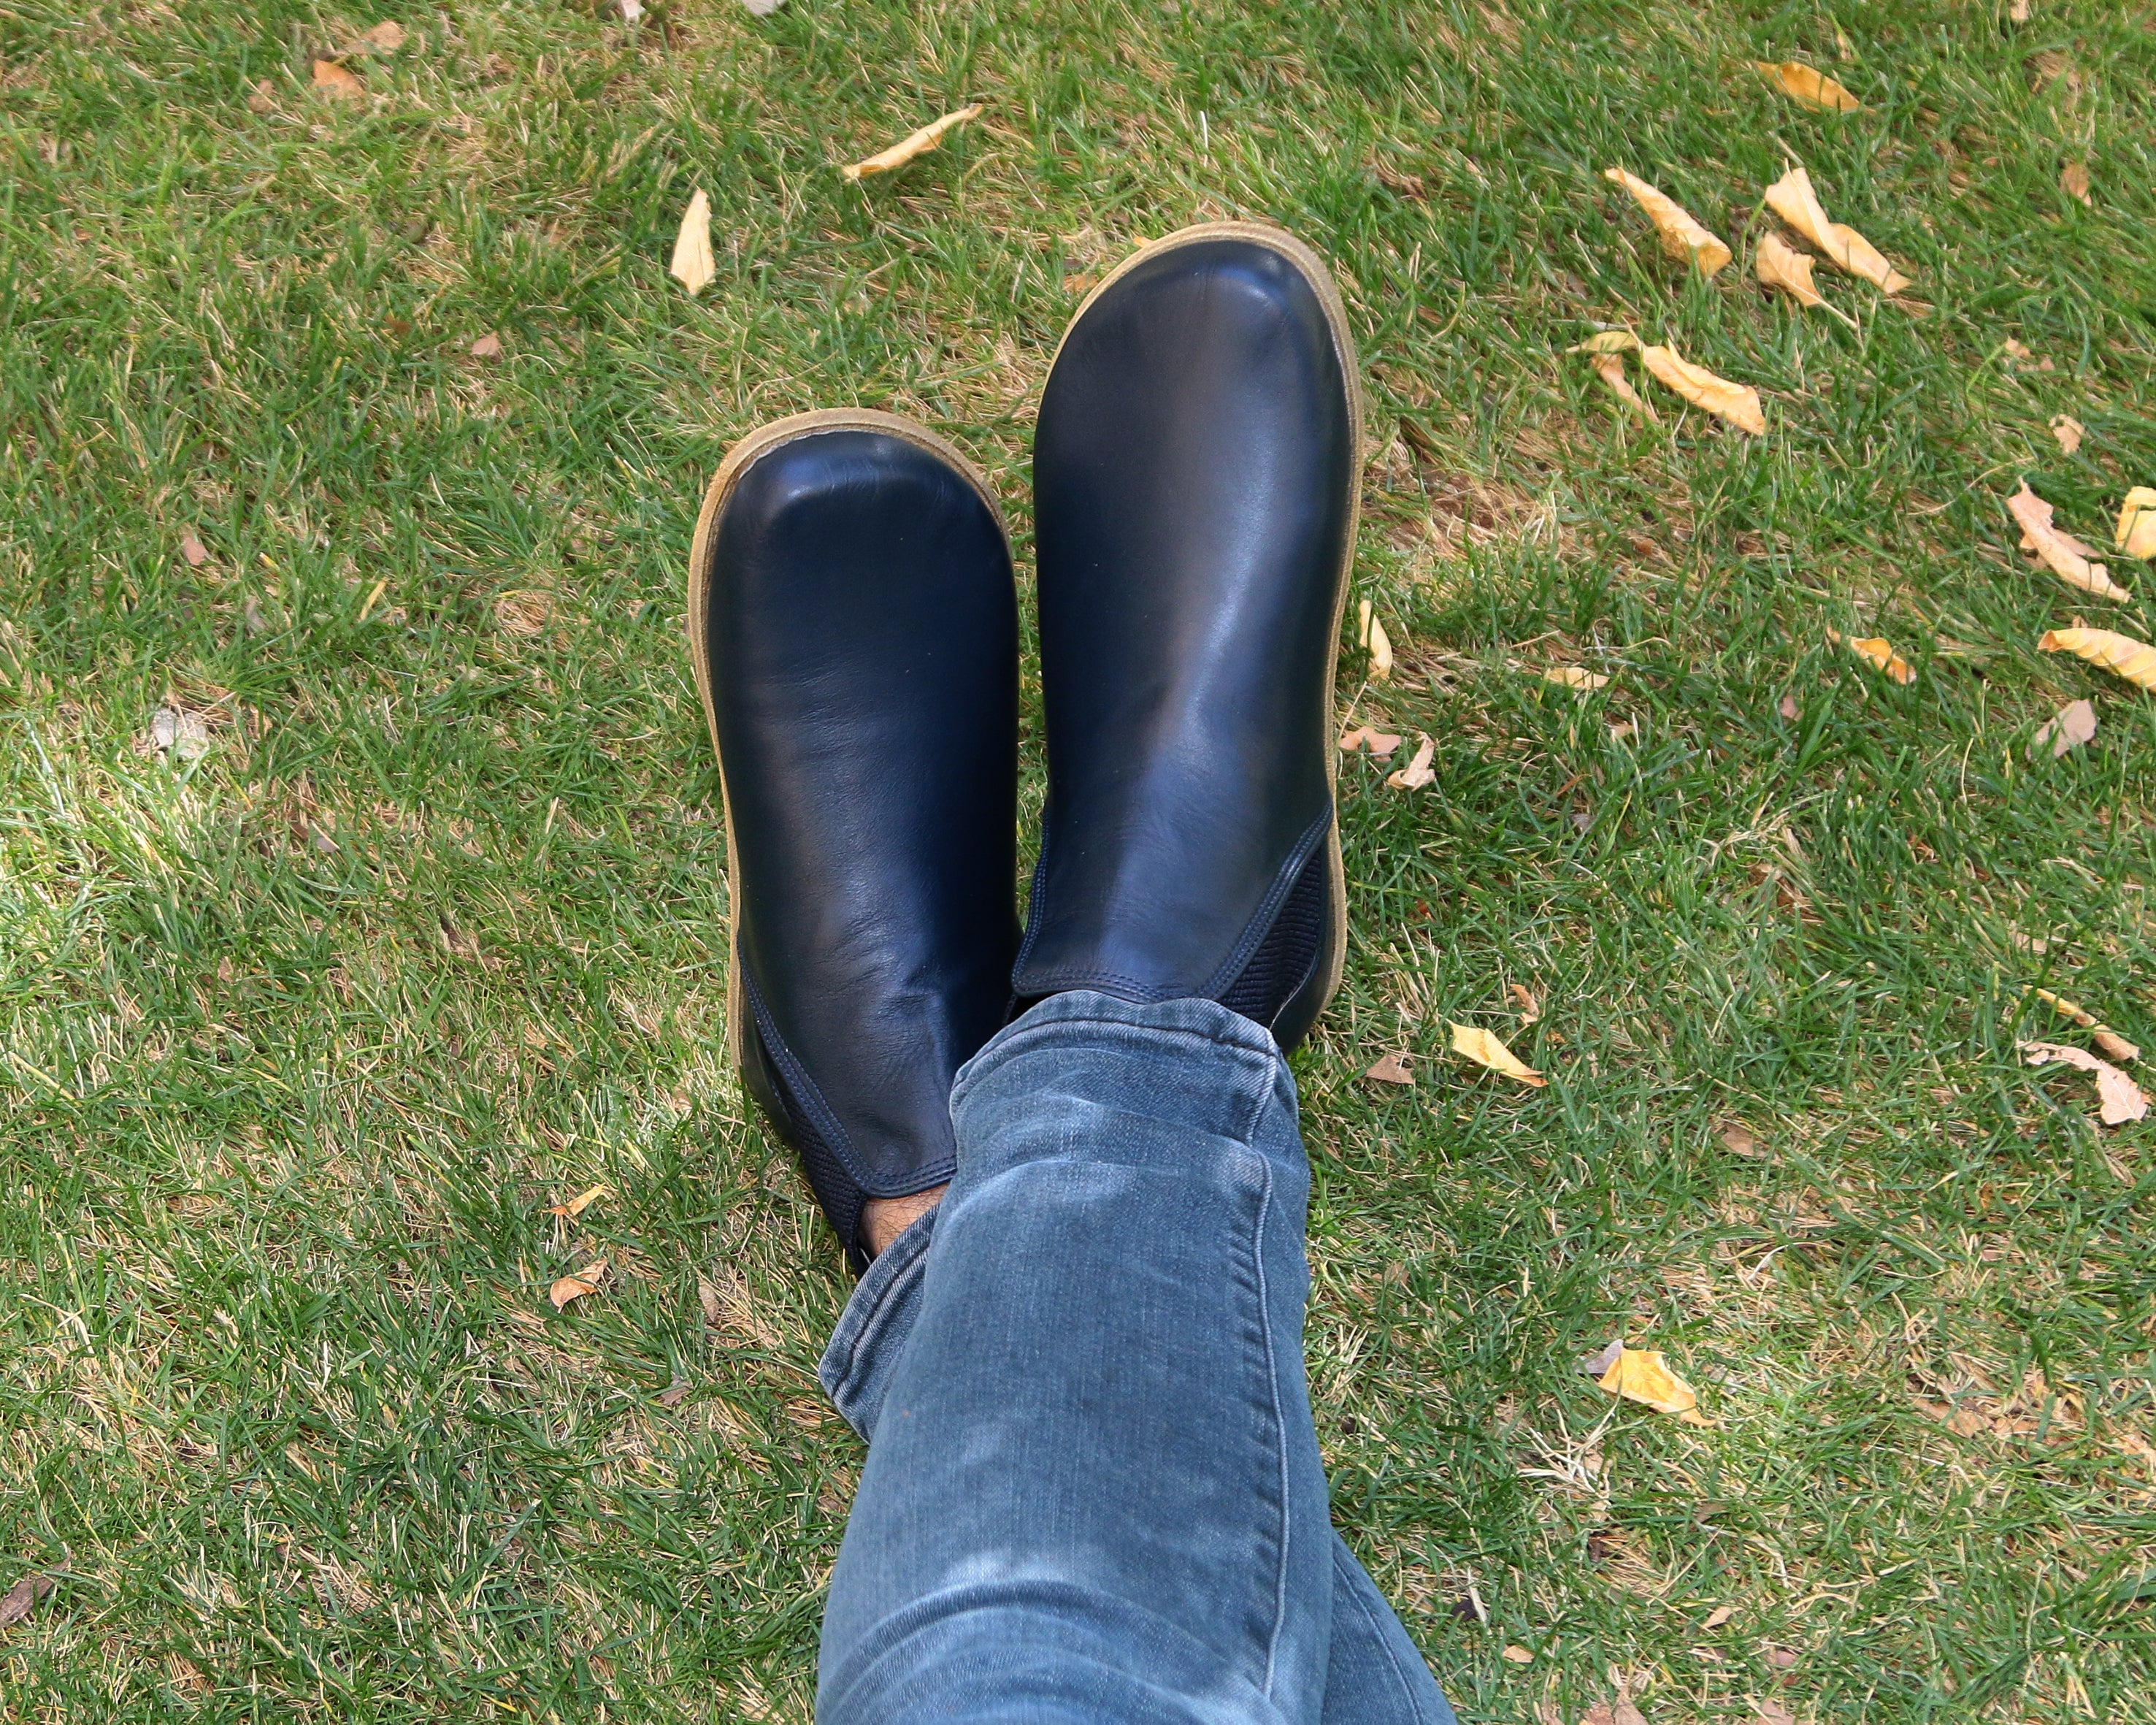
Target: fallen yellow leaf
1478	1045
2061	553
1607	341
1780	265
1381	651
693	265
332	80
1793	198
575	1287
1733	402
2133	660
1877	650
1391	1070
913	144
1610	369
1378	743
1681	236
1518	1654
2118	1098
1812	89
1717	1617
1418	772
1640	1374
1573	677
2074	180
578	1205
2069	430
2109	1040
2136	522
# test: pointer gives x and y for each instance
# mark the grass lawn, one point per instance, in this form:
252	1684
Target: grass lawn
415	931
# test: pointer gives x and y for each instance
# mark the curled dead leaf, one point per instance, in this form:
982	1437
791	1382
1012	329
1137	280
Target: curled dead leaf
1682	237
1391	1070
2061	553
1518	1654
1804	84
1480	1045
1381	651
2069	430
2136	533
585	1281
2069	727
21	1600
1779	264
693	265
2074	180
1876	650
1737	1139
1523	998
385	38
1642	1375
1418	772
2133	660
196	553
674	1394
1380	743
1610	368
1736	403
578	1205
487	347
1717	1617
332	80
1607	341
1573	677
1793	198
2110	1040
2118	1098
913	144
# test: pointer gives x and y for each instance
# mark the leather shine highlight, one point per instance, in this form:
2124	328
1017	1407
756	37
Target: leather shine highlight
859	635
1194	474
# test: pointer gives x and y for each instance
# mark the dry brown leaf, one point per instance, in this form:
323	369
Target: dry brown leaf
1613	1712
1595	1365
1793	198
1607	341
1478	1045
1418	772
2107	1039
1788	708
385	38
1812	89
2136	534
1733	402
912	144
1391	1070
487	347
693	265
674	1394
1739	1140
2118	1098
1523	998
1780	265
1681	236
578	1205
2069	430
2069	727
1573	677
2113	1046
2133	660
1381	651
263	98
1380	743
1876	650
196	553
2061	553
332	80
762	9
1717	1617
575	1287
1610	369
2074	180
1771	1712
17	1603
1518	1654
2019	12
1640	1374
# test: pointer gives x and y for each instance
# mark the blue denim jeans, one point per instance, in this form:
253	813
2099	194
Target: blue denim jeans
1093	1491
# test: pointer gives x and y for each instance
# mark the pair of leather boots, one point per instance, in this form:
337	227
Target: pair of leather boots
855	629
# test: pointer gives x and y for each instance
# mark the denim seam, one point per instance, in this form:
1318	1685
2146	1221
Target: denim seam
1406	1691
1281	1553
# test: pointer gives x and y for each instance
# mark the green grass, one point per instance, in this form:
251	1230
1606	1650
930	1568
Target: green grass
299	1039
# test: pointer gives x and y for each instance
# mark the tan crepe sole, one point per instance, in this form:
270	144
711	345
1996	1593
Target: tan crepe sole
1320	278
760	441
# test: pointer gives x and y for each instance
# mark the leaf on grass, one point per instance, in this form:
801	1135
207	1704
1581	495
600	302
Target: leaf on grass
332	80
2118	1098
1607	341
575	1287
1682	237
1418	772
2019	12
20	1599
910	145
1717	1617
1793	198
1771	1712
578	1205
1802	84
2136	534
487	347
2109	1040
1736	403
1610	369
1613	1712
196	553
674	1394
763	8
1779	264
1737	1139
2074	180
1788	707
2070	727
1573	677
1518	1654
385	38
1640	1374
1380	743
1601	1360
1478	1045
1391	1070
1876	650
1381	651
2133	660
2061	553
693	265
1523	998
2069	430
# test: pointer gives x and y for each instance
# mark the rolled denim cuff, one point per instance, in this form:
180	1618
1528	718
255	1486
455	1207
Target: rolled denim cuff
863	1352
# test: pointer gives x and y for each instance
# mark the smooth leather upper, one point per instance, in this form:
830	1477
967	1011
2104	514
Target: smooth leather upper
1193	467
862	635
